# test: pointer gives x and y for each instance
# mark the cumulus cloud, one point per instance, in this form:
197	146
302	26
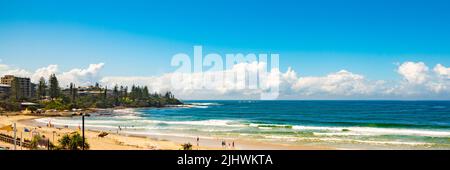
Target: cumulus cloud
44	72
82	77
237	82
289	84
412	72
17	72
419	81
441	80
3	67
442	71
78	76
343	83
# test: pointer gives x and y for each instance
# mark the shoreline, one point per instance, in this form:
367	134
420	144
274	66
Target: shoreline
130	141
110	142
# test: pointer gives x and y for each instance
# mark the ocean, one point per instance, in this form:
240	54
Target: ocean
337	124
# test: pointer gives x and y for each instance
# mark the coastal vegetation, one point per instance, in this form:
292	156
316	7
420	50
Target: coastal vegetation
186	146
50	96
37	141
72	141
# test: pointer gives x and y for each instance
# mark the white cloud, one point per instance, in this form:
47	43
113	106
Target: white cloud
3	67
207	84
342	83
415	73
441	82
421	83
78	76
44	72
442	71
417	82
17	72
81	77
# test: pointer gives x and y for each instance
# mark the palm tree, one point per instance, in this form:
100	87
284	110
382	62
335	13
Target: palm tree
72	142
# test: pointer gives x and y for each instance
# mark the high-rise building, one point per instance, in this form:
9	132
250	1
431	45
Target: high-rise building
25	85
5	89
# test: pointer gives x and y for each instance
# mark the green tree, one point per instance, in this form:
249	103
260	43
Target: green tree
73	141
105	93
133	95
71	88
125	92
42	88
74	92
116	95
97	86
121	92
35	142
186	146
145	93
54	90
38	139
16	92
168	95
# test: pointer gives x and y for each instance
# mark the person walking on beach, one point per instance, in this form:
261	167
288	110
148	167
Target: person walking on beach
198	140
233	144
224	144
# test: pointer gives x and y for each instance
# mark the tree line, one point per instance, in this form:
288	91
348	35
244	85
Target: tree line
49	95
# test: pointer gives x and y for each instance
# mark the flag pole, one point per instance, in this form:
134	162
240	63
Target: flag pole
82	118
15	139
21	139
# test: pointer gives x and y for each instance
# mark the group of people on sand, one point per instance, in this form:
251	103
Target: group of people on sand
224	144
49	124
230	145
119	128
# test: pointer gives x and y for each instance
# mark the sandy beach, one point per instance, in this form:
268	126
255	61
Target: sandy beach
124	141
110	142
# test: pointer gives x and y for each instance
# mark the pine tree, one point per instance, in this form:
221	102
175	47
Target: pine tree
54	87
167	95
139	93
97	86
125	92
133	92
73	92
105	93
42	88
116	94
16	89
145	92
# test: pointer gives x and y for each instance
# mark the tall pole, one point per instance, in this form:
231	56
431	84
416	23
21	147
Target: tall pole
82	118
21	139
15	139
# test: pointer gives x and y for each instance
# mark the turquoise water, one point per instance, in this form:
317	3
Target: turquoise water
341	124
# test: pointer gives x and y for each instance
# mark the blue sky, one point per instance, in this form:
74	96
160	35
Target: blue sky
313	37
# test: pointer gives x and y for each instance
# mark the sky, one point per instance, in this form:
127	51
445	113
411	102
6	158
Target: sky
327	49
